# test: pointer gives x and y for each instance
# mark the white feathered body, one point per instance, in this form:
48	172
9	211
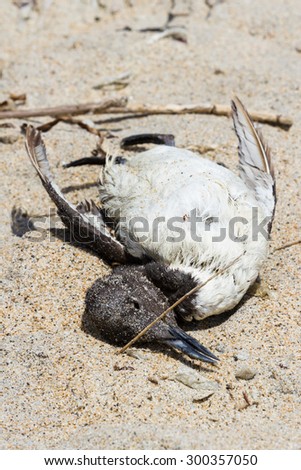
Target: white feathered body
152	188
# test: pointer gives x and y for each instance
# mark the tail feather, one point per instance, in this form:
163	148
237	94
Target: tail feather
252	149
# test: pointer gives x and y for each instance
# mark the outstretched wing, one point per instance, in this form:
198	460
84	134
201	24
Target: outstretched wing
254	158
85	220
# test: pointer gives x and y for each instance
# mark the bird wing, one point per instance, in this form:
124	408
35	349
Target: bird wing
84	220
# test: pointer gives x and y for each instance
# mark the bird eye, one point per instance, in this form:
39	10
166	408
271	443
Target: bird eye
133	302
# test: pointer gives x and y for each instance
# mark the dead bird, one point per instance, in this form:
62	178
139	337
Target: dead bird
221	216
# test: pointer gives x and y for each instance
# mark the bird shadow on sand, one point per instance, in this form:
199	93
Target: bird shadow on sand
22	223
213	321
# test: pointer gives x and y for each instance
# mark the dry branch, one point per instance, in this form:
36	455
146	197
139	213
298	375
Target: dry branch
118	106
215	109
179	301
67	110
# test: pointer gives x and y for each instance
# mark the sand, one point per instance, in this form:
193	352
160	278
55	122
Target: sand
65	388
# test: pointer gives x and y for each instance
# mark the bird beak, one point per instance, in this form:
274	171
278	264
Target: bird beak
189	345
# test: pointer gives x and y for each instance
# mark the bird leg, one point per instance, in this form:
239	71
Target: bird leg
158	139
86	161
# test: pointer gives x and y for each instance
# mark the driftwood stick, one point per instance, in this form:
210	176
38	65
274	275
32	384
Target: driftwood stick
66	110
163	314
118	106
215	109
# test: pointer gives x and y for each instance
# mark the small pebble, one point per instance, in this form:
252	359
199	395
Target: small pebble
221	348
241	356
196	381
245	373
284	364
218	72
298	47
153	379
135	354
9	139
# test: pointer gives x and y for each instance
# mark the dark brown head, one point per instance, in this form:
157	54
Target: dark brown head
125	302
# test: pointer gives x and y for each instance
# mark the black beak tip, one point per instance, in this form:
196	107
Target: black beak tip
190	346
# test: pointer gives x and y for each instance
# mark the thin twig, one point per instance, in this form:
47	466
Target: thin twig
175	33
211	4
44	127
184	297
83	124
287	245
247	400
119	82
67	110
215	109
